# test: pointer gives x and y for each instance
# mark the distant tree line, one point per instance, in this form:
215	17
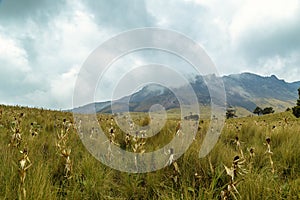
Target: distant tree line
260	111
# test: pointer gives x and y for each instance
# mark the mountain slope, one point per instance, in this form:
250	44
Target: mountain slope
244	90
249	90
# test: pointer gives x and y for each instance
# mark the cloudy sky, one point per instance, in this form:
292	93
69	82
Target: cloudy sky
43	43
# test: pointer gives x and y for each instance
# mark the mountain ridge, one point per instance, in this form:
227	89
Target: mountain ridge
245	90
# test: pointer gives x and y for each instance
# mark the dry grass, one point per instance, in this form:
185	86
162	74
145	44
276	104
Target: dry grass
49	175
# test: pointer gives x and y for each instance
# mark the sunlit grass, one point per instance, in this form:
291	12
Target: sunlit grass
192	178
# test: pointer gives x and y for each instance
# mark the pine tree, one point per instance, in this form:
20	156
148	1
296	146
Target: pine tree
296	109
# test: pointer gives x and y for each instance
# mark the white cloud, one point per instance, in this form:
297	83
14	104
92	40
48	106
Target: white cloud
43	45
259	15
63	86
285	67
54	55
12	55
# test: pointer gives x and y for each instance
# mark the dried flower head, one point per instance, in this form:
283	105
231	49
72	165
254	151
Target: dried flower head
236	159
268	140
270	153
251	150
236	138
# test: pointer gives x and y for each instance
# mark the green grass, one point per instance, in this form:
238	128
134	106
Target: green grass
93	180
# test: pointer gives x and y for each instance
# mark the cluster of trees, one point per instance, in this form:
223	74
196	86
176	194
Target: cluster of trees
296	109
230	112
260	111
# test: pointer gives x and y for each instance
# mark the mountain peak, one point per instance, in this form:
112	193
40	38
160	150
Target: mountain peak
274	77
246	90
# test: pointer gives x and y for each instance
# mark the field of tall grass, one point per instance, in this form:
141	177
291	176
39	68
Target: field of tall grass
42	157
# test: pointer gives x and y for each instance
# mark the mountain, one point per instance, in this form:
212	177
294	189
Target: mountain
250	90
245	91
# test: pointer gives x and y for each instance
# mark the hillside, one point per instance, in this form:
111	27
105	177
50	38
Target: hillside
249	90
244	91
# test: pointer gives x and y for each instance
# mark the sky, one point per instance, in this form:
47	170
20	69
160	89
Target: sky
44	44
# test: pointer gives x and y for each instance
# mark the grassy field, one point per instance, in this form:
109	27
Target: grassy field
57	165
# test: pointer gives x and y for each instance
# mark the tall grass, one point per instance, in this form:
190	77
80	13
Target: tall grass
197	178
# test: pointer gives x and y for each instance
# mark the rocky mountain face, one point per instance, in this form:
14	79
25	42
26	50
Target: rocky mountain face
244	90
